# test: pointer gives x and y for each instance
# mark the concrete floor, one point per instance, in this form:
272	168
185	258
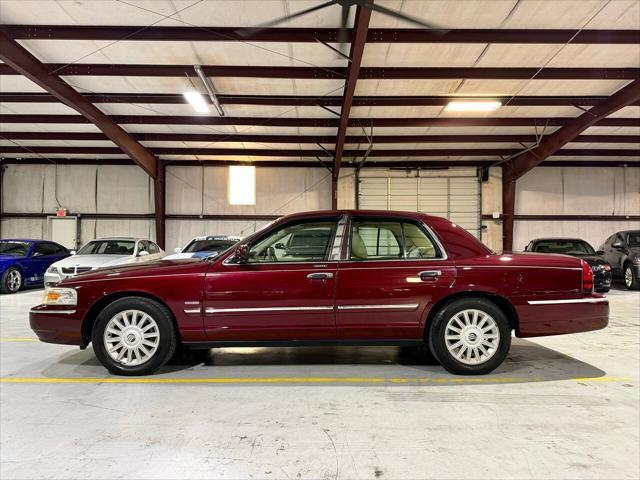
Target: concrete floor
560	407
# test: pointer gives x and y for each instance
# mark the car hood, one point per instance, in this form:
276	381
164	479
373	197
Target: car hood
199	255
160	267
93	261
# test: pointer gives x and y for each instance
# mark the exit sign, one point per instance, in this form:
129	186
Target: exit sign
61	212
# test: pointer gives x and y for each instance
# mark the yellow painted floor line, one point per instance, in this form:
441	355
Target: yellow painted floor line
299	380
18	339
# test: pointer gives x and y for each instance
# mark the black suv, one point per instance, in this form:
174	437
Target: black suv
622	251
577	248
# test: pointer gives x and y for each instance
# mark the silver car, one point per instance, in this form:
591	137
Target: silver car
104	252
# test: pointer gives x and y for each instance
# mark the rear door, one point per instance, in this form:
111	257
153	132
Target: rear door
394	271
285	291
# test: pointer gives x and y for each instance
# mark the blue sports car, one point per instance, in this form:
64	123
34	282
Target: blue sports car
23	262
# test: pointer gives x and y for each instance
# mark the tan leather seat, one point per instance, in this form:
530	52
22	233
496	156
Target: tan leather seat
358	248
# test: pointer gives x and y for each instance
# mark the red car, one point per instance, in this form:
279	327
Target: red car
331	277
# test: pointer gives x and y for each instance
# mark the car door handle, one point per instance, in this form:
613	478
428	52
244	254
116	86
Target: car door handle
429	275
320	275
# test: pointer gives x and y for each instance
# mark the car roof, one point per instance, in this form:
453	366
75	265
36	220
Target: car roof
564	239
119	238
373	213
23	240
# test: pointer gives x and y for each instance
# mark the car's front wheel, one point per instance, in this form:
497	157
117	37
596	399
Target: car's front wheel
134	336
470	336
11	281
630	280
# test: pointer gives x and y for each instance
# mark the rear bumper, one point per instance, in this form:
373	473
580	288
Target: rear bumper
601	281
558	316
57	325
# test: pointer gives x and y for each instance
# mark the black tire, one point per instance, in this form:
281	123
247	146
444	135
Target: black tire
7	282
635	282
167	332
603	290
438	327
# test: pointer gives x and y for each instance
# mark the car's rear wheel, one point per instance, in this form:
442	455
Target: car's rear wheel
134	336
11	281
630	280
470	336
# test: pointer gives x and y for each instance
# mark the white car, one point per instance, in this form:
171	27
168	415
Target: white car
201	247
104	252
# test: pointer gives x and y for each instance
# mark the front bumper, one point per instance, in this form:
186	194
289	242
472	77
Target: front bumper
50	279
57	324
557	316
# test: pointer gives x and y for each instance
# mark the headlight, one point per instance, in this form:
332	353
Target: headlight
60	296
52	270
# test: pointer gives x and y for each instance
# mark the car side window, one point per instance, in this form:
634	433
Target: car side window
143	246
373	240
43	249
57	249
295	242
418	244
390	240
153	248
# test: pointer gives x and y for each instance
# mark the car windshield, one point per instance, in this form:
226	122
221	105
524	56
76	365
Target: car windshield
18	249
634	239
108	247
208	245
565	247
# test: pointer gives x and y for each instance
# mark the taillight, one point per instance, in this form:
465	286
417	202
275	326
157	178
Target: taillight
587	277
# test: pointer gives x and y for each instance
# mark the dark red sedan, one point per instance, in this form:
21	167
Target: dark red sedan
332	277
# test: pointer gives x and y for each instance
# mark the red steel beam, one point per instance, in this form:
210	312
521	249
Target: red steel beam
274	152
322	122
403	164
20	61
551	144
358	40
354	139
302	100
518	73
311	35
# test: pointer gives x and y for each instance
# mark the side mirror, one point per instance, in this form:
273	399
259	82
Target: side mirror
177	250
73	252
600	252
617	244
241	254
279	246
143	253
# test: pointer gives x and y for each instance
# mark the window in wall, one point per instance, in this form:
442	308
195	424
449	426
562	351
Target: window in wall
242	185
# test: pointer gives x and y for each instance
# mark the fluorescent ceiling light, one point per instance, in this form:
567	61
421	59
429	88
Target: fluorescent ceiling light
242	185
472	106
197	101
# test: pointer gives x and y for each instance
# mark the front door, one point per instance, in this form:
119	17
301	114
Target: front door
394	272
285	290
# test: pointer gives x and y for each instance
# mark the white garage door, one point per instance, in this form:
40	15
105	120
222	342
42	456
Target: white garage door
453	196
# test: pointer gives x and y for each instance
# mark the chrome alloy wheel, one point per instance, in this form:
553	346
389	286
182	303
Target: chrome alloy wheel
472	336
14	281
131	337
628	277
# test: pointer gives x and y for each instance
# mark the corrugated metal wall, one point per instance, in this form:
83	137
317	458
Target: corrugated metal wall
79	188
576	191
128	190
203	190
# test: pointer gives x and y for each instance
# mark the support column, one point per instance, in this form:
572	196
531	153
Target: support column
159	197
508	207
